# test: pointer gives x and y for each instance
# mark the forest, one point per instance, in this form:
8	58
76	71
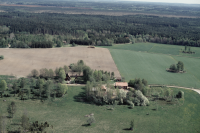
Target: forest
96	29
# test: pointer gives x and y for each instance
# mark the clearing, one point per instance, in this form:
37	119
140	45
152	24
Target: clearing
21	62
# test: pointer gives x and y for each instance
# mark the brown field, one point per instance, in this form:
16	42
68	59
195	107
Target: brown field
20	62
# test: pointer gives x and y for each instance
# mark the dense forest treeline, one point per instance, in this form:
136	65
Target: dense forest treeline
98	30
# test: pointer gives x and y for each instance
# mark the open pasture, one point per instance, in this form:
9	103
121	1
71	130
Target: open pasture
20	62
67	115
152	67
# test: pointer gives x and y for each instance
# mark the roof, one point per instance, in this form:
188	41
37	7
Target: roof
121	84
103	87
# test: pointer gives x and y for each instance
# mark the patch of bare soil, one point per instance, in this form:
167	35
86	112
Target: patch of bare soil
21	62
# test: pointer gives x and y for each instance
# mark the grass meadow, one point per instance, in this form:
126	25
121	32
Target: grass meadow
67	115
149	61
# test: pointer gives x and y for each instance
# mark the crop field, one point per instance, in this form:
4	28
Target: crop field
67	115
20	62
152	66
157	48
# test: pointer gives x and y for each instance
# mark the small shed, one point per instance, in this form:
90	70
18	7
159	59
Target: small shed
123	85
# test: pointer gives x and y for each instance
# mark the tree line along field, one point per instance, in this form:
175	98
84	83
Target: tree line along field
67	115
21	62
135	61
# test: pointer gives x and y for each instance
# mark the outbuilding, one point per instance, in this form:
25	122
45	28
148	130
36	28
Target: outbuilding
120	85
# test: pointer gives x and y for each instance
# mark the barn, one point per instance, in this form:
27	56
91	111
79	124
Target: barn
120	85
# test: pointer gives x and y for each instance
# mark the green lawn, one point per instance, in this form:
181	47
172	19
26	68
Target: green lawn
67	115
152	67
156	48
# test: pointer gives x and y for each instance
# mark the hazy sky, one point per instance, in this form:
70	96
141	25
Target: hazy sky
172	1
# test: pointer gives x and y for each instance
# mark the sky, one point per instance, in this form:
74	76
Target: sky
171	1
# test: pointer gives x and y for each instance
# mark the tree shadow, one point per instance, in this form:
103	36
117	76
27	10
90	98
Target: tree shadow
86	125
15	124
81	97
127	129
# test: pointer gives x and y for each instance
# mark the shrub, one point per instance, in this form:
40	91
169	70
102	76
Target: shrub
180	94
1	57
140	99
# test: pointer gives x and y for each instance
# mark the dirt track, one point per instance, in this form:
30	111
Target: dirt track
20	62
196	90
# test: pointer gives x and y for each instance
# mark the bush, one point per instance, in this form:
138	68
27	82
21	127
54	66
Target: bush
180	94
140	99
1	57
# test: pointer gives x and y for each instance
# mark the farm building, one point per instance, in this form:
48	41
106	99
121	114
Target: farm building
68	78
73	74
123	85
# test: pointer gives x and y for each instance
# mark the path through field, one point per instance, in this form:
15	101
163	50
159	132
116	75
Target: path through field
20	62
196	90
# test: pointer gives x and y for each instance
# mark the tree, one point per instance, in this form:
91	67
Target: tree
3	87
62	89
62	75
112	75
87	73
2	124
1	57
39	82
144	82
132	125
11	109
66	68
173	67
51	73
180	66
25	121
35	73
48	88
28	93
90	120
22	82
15	87
99	77
57	71
88	88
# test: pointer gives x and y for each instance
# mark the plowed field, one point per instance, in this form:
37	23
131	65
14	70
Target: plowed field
20	62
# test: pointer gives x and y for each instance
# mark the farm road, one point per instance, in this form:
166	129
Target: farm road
196	90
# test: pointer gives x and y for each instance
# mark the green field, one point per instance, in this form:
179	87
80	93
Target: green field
67	115
150	61
156	48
